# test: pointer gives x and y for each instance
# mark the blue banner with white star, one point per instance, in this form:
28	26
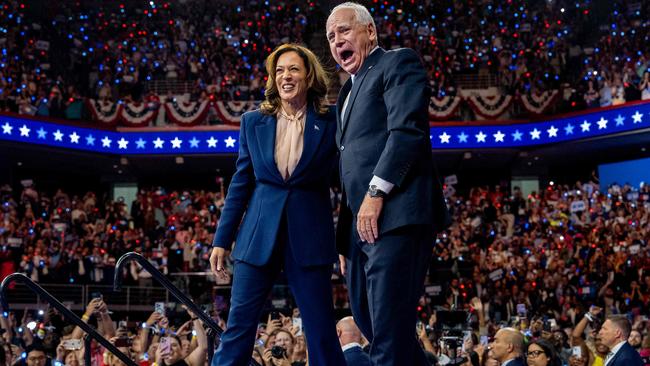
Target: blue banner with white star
594	123
118	142
601	122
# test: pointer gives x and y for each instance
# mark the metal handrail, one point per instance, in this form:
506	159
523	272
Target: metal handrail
69	315
205	318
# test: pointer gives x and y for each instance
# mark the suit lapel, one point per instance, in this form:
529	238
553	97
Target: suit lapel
312	136
265	133
372	59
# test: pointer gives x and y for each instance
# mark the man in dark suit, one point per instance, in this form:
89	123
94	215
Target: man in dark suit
350	339
391	206
508	347
614	334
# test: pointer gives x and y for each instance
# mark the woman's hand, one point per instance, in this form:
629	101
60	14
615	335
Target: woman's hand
287	322
60	352
267	357
272	324
160	355
93	306
154	318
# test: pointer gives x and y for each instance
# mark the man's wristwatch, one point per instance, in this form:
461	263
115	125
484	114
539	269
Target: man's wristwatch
375	192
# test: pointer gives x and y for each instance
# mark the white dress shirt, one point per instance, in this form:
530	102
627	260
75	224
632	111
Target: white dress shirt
350	345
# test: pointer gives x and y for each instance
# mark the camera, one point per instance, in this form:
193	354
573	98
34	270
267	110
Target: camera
278	352
453	327
123	342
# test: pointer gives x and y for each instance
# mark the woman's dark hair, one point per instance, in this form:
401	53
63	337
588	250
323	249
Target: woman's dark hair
317	79
549	351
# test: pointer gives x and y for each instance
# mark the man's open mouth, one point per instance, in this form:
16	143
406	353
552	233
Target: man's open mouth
346	55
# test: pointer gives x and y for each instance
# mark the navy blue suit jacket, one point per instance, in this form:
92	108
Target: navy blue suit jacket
385	132
258	190
355	356
517	362
626	356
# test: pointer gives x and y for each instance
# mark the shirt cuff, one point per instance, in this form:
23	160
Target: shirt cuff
381	184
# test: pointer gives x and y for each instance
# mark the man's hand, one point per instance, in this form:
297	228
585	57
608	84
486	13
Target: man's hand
217	262
343	265
368	217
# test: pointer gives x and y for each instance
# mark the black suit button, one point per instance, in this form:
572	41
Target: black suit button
342	148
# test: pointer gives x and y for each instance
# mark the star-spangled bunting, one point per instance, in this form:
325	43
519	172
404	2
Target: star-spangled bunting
473	135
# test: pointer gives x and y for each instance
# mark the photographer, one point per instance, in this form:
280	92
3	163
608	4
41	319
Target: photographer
281	352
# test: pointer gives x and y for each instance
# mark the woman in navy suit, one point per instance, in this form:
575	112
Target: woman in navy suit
281	188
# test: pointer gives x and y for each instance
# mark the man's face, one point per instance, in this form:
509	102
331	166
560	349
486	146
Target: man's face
608	334
499	348
350	42
36	358
635	339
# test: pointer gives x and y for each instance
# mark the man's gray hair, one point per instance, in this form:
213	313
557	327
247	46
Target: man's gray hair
622	323
361	13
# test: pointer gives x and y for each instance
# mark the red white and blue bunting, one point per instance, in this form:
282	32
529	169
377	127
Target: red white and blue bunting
104	111
138	114
231	112
538	103
186	114
195	113
489	107
443	108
